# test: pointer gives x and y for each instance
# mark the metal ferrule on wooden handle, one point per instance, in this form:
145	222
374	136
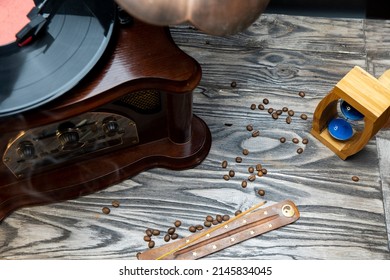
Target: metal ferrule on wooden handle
229	233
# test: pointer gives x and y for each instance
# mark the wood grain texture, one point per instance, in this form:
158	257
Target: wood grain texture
275	58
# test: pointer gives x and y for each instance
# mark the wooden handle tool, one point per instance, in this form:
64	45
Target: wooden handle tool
248	224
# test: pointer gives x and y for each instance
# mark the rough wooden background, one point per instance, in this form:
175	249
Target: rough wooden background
277	57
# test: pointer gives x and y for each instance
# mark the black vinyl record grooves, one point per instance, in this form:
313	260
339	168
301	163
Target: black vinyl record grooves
71	44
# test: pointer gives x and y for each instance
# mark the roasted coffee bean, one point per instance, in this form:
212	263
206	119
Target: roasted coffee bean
245	152
355	178
226	177
253	106
224	164
199	227
261	107
300	151
261	192
260	173
258	167
174	236
275	116
305	141
244	184
255	133
265	101
106	210
291	113
279	112
238	212
251	169
295	140
282	139
207	224
148	232
304	117
265	171
219	218
155	232
225	218
251	178
249	127
233	84
171	230
285	109
209	218
232	173
151	244
167	237
238	159
177	223
214	222
288	120
270	110
192	229
115	203
147	238
302	94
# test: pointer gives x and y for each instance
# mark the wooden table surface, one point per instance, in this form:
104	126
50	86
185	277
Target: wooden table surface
277	57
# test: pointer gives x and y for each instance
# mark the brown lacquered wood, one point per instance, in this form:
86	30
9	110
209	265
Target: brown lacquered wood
141	57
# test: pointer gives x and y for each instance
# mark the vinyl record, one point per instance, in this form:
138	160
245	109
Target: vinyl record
71	44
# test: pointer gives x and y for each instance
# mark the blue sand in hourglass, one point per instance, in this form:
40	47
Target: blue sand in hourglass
340	129
350	113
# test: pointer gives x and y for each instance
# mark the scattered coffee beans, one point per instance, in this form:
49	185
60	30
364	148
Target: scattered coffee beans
288	120
253	106
291	113
255	133
284	109
238	159
177	223
249	127
155	232
251	178
270	110
209	218
244	184
106	210
245	152
301	94
251	169
304	117
258	167
148	232
300	151
265	171
219	218
279	112
231	173
115	203
192	229
151	244
147	238
226	177
275	116
282	139
233	84
174	236
355	178
295	140
261	192
225	218
261	107
224	164
238	212
171	230
167	237
305	141
265	101
260	173
199	227
207	224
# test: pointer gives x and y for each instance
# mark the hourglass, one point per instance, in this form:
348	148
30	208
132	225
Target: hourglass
352	112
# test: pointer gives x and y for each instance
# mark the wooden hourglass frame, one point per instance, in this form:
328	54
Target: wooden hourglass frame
366	94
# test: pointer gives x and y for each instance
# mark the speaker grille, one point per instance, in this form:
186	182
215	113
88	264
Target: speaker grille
143	101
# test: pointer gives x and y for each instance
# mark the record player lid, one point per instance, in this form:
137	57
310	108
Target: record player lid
74	40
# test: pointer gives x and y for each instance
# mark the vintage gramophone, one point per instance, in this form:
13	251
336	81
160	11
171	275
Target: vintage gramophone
353	112
91	95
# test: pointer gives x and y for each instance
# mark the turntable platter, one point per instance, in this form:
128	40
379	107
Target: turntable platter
73	42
